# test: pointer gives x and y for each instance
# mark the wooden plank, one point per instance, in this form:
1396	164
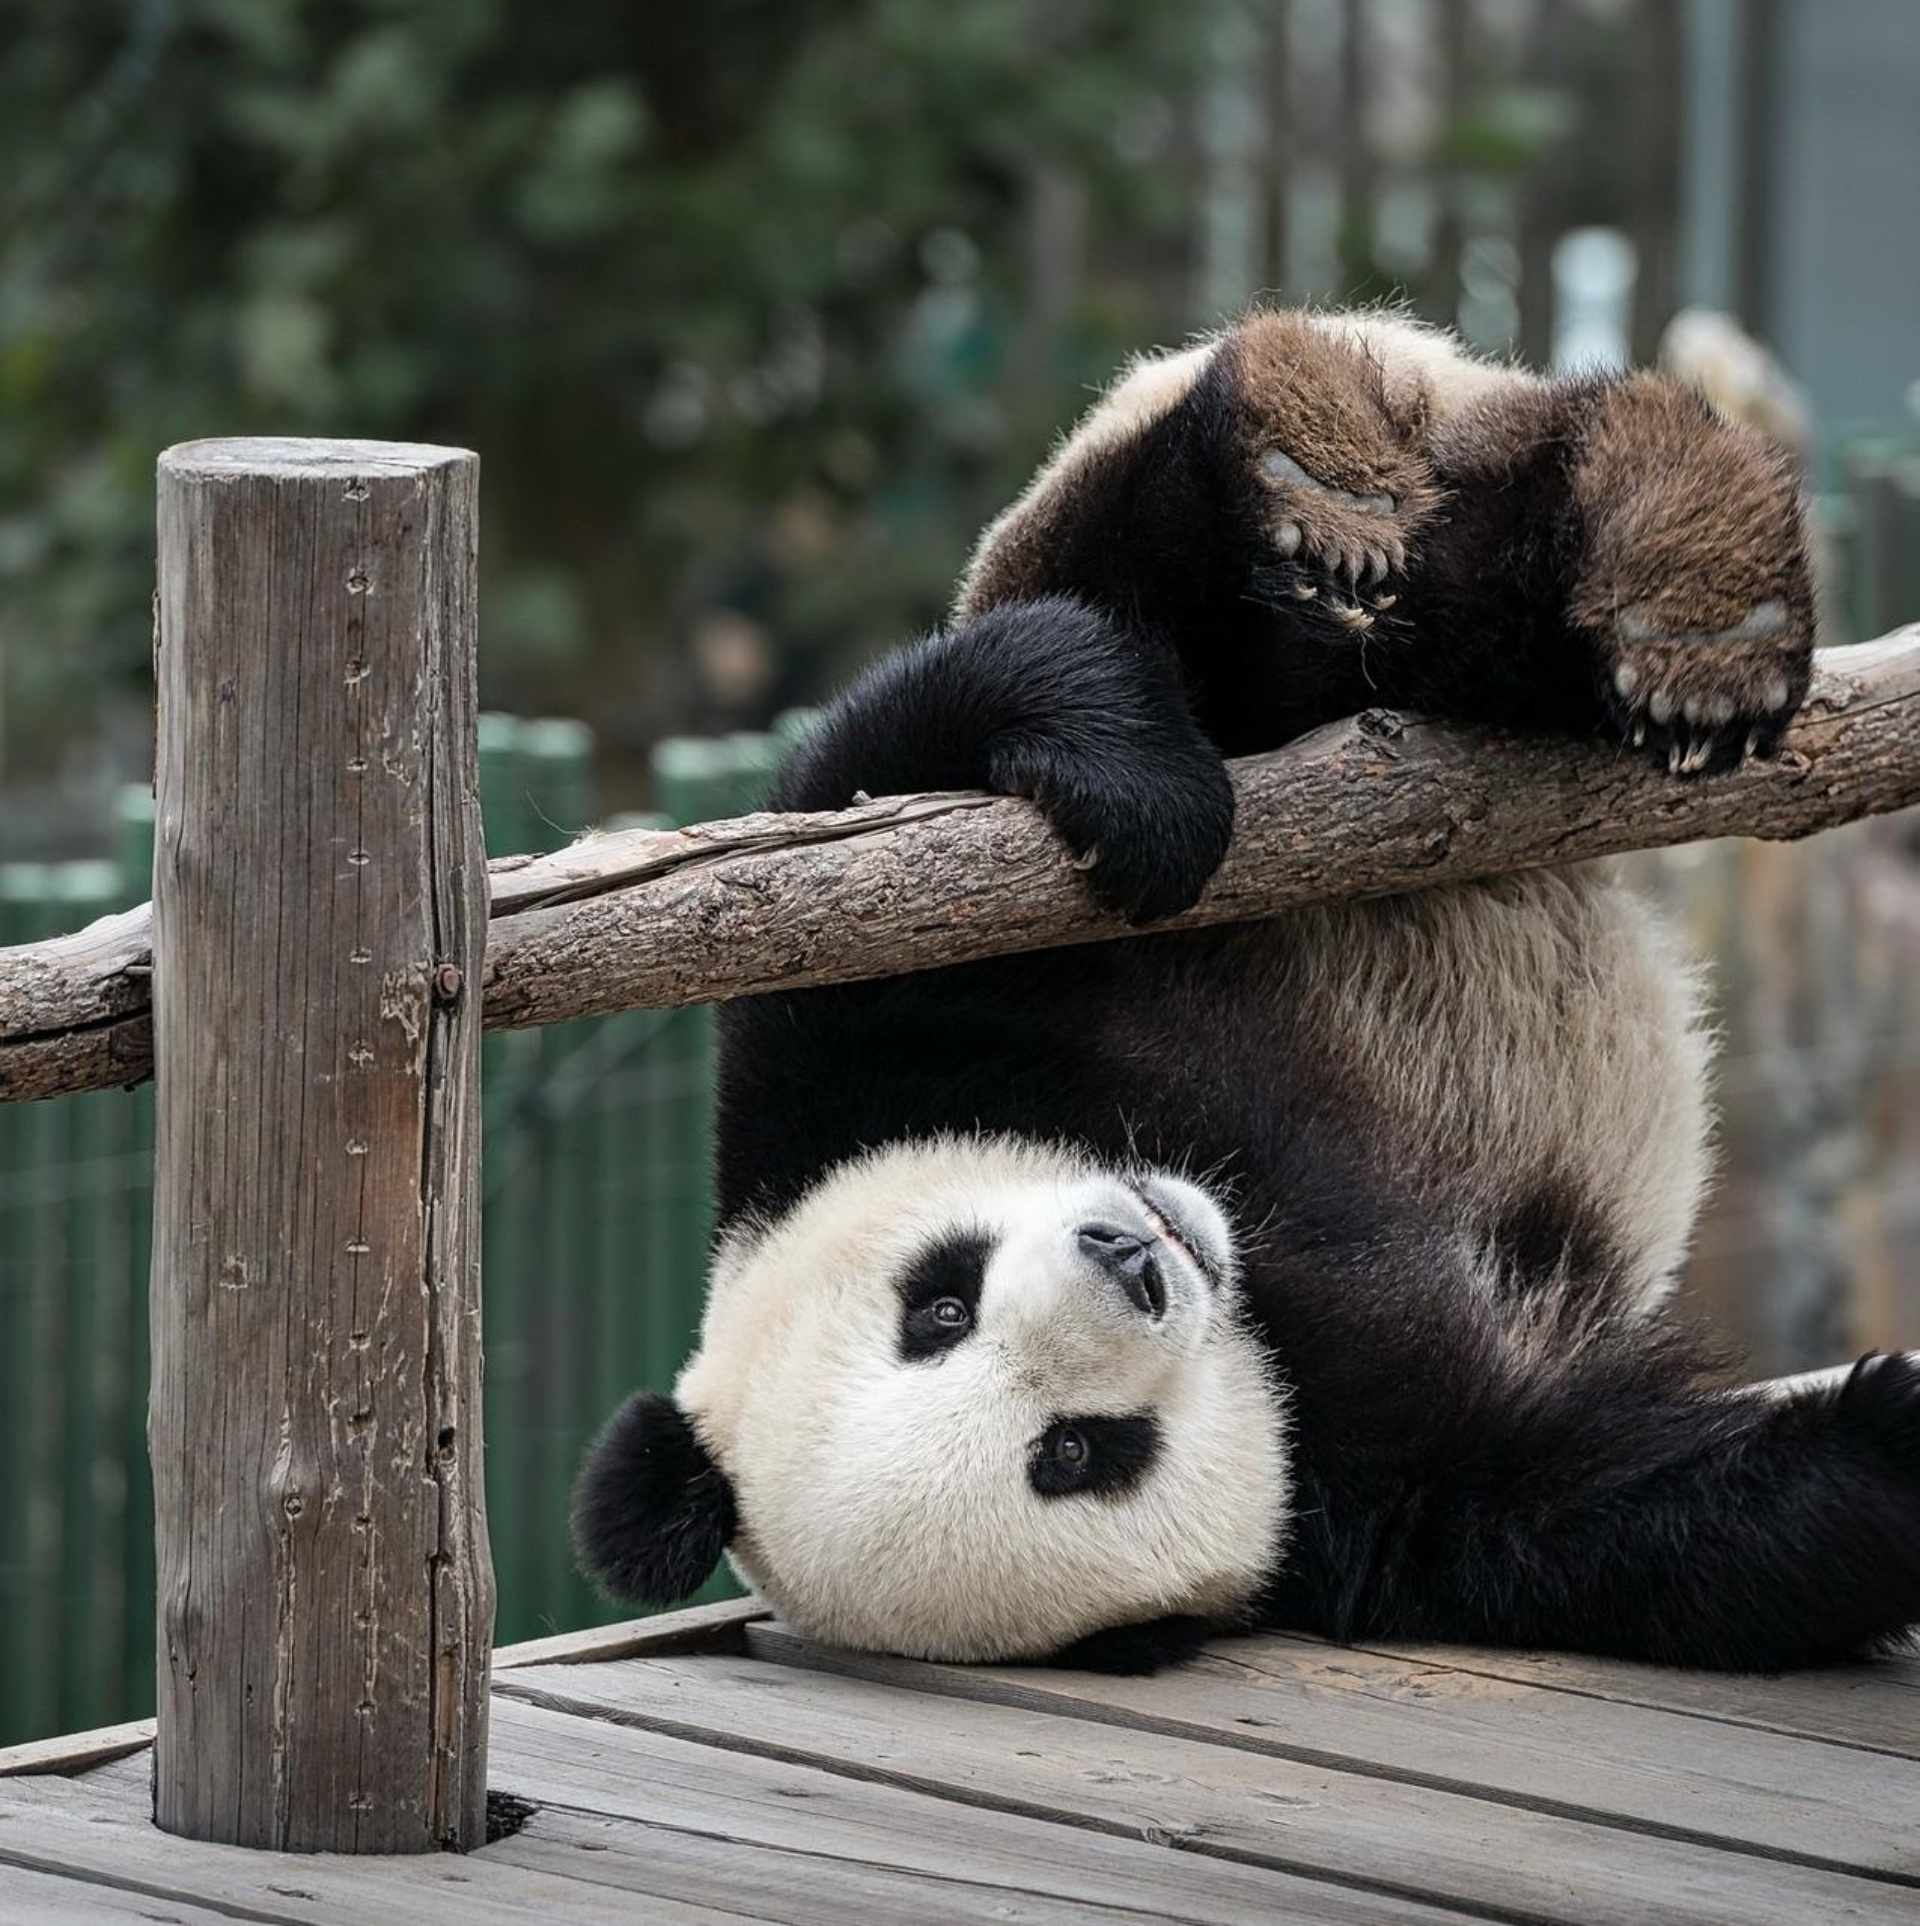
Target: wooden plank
62	1828
1869	1705
1254	1809
48	1899
807	1839
76	1751
1651	1771
791	1883
699	1628
133	1771
320	904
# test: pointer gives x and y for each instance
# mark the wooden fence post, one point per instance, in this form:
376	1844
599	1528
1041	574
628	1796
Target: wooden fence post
325	1594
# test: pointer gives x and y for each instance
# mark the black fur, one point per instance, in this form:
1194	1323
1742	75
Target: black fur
1094	1456
1593	1490
1135	1650
652	1512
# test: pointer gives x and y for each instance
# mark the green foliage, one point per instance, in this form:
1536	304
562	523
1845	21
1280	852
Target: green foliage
734	299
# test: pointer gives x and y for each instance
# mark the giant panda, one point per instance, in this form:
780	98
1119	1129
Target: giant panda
1312	1273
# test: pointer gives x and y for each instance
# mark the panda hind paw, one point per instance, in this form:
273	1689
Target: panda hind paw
1692	583
1704	702
1334	474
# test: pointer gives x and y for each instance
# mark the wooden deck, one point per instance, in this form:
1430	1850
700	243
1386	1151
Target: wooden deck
714	1766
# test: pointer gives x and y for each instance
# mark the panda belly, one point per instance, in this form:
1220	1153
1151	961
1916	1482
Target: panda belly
1522	1059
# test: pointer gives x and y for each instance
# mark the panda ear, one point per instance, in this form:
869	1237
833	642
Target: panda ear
652	1511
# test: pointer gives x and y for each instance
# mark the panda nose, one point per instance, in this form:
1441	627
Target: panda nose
1130	1263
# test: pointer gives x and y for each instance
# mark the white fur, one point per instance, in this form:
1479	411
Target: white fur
1421	362
884	1502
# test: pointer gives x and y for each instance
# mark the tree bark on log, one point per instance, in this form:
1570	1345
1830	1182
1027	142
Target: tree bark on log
324	1591
1371	806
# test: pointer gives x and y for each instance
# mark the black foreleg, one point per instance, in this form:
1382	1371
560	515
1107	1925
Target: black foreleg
1050	700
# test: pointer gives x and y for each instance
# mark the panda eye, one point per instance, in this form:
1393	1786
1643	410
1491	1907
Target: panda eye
1093	1457
940	1296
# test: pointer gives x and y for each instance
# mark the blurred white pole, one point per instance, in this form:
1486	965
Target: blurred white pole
1593	274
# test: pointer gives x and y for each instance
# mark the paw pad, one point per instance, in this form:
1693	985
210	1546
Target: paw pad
1338	487
1694	585
1705	700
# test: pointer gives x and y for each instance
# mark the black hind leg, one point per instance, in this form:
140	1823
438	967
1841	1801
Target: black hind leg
1259	526
1735	1532
1311	530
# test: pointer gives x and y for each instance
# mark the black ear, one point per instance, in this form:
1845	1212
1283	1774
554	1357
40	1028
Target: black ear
652	1511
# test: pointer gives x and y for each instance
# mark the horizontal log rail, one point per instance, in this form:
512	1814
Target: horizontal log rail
1368	807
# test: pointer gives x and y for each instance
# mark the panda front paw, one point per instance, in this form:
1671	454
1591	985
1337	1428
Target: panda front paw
1693	583
1148	835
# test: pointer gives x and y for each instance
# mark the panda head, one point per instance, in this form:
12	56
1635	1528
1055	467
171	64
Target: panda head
969	1399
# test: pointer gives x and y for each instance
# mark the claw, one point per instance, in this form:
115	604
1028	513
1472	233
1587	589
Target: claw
1640	735
1350	617
1753	745
1674	758
1698	757
1305	591
1382	602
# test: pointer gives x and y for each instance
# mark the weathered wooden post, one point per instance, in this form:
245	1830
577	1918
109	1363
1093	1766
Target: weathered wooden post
325	1594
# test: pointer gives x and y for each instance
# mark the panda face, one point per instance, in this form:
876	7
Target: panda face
978	1399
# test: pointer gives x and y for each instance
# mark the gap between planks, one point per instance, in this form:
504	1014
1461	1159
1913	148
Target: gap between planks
1345	1711
1835	1705
716	1628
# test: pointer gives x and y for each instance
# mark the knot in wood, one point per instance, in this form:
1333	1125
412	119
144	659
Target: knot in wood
447	983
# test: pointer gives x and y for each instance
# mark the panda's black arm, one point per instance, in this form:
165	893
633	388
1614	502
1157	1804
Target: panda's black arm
1737	1532
1050	700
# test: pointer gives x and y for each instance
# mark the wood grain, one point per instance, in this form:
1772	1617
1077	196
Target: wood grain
1205	1798
47	1899
816	1847
702	1629
1589	1759
1372	806
720	1627
325	1598
106	1839
73	1752
1870	1705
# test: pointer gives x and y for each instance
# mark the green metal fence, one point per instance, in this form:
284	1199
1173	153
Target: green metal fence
596	1218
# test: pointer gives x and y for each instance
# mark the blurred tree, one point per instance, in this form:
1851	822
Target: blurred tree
738	301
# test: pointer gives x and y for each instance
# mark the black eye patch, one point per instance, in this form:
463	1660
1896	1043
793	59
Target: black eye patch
940	1294
1102	1457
